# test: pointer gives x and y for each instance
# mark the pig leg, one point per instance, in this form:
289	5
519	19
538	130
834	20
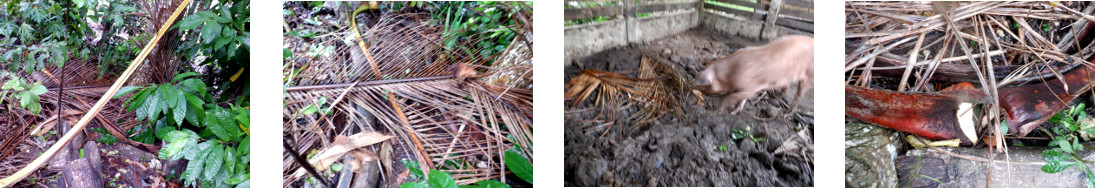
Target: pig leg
729	100
802	87
735	112
735	97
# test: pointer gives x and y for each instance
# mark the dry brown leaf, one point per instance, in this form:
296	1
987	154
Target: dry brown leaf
341	146
48	125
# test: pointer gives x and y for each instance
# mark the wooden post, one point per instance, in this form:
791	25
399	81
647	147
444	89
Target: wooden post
630	22
769	30
699	12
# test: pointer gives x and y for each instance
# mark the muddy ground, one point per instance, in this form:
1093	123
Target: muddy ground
695	150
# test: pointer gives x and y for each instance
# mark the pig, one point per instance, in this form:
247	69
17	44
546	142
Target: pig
745	73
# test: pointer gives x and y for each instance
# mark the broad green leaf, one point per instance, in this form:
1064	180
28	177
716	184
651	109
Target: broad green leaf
440	179
245	184
1057	166
11	84
207	14
26	98
219	122
34	107
179	135
194	85
180	107
194	166
237	179
137	100
38	89
519	165
243	117
220	42
168	95
1053	155
191	22
191	152
142	109
1004	128
211	31
153	103
230	159
214	161
196	113
245	146
177	140
183	75
1065	145
124	90
12	53
218	180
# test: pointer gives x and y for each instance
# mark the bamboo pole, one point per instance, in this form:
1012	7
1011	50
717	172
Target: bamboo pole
42	159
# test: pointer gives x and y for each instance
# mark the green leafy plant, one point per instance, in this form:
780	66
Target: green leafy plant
41	32
223	34
488	22
213	138
738	134
27	94
1066	144
515	162
519	165
104	136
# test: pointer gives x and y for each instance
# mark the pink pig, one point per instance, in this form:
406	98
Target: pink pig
778	64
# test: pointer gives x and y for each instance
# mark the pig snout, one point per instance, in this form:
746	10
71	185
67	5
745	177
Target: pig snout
707	83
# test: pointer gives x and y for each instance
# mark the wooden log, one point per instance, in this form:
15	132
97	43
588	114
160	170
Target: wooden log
799	13
606	11
80	173
795	24
728	10
799	3
743	3
367	175
664	7
1024	169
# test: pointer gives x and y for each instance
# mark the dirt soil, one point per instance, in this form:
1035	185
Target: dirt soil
695	150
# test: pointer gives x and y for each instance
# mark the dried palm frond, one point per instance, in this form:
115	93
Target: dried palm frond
445	122
658	90
667	88
615	90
